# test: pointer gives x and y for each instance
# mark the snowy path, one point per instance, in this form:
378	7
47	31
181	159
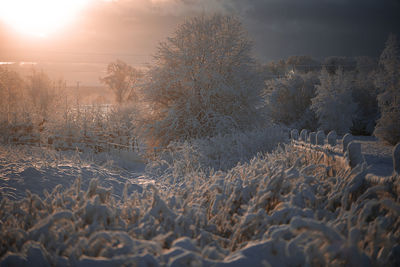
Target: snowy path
37	169
378	155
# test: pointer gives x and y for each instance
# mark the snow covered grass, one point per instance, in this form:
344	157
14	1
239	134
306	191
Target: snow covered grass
276	209
220	152
35	169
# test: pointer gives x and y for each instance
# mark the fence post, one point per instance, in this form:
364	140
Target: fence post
396	159
320	138
347	138
294	134
332	138
354	154
312	138
303	135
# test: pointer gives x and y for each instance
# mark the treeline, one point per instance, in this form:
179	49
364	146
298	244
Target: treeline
36	110
360	95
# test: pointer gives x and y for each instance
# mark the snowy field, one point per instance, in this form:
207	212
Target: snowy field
276	209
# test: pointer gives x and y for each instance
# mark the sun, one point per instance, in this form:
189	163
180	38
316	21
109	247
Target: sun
40	17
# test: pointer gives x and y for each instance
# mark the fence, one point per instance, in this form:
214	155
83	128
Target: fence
97	142
343	155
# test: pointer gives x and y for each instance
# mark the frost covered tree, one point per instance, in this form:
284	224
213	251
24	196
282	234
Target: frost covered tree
335	63
333	102
388	83
365	95
41	93
303	64
204	82
288	100
10	93
121	79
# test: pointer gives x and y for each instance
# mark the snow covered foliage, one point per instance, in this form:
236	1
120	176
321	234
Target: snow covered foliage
288	100
204	82
334	64
10	94
333	102
122	79
278	209
388	81
220	152
364	94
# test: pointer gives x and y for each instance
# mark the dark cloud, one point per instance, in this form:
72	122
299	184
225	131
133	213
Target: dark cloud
318	27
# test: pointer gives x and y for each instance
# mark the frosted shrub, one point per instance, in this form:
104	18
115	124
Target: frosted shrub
276	209
204	83
288	100
222	152
388	82
365	93
388	126
122	79
333	102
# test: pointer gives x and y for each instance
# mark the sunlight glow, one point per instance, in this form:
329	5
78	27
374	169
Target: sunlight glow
40	17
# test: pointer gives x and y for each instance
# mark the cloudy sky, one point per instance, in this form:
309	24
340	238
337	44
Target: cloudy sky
131	30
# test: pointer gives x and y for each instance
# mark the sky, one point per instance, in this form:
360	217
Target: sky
131	30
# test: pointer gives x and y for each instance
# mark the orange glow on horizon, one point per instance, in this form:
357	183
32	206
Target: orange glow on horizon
40	17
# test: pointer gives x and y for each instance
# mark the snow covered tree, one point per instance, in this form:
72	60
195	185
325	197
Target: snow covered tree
303	64
365	95
288	100
333	102
10	93
121	79
335	63
41	93
204	82
388	83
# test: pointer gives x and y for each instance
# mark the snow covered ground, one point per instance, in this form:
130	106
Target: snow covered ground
276	209
37	169
377	154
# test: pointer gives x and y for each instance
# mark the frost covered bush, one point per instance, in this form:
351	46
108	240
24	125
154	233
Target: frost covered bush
364	92
333	102
204	82
222	152
279	209
388	81
288	100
